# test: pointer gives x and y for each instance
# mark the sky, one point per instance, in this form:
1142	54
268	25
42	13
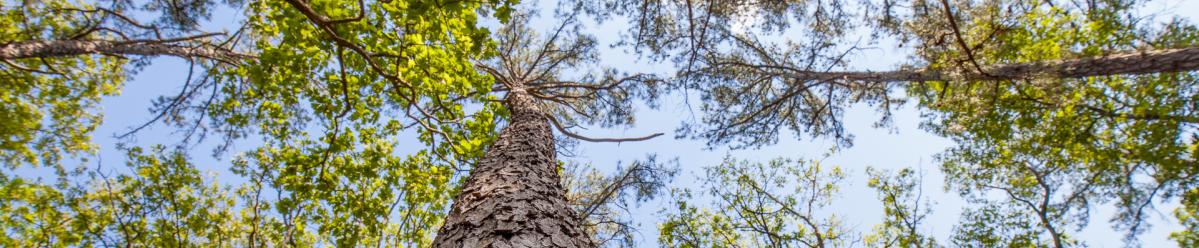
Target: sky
902	145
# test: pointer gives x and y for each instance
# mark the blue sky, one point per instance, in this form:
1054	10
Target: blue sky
902	145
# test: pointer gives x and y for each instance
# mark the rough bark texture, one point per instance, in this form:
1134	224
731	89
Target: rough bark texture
514	197
61	48
1132	63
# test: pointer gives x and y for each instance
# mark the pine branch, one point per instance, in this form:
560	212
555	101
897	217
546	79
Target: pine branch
1127	63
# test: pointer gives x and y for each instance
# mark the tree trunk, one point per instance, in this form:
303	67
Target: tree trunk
63	48
1127	63
514	197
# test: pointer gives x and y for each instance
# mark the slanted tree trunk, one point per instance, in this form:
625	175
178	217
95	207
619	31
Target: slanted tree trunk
1125	63
513	197
64	48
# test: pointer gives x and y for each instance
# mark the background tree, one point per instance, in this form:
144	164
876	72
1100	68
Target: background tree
905	209
606	202
1068	144
51	93
774	204
59	58
1009	81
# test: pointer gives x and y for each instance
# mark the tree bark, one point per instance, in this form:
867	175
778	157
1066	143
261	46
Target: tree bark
63	48
1129	63
514	196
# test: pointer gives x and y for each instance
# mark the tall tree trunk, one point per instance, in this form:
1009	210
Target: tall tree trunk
513	197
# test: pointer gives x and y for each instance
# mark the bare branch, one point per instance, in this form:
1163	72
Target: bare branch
589	139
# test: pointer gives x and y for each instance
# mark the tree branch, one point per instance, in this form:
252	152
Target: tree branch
64	48
1126	63
589	139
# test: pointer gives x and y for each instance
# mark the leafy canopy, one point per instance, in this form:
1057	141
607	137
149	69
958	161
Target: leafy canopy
329	116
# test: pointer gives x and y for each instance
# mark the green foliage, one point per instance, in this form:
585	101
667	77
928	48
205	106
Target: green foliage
903	208
1055	147
50	106
1188	214
773	204
29	205
165	201
999	225
330	116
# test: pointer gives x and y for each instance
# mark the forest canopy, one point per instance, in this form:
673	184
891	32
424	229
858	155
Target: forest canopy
446	123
